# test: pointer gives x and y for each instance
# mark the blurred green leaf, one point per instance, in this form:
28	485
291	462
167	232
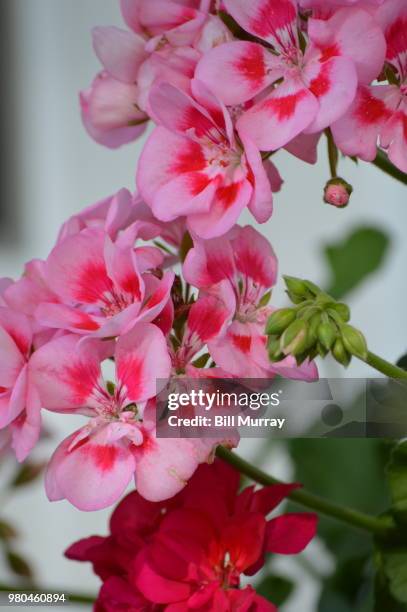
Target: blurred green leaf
384	600
353	259
7	531
393	567
27	474
18	565
276	589
397	475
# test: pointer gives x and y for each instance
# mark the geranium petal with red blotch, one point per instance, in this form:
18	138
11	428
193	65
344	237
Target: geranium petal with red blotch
15	401
289	534
122	269
189	193
121	52
67	373
272	20
141	358
59	316
254	257
91	475
163	466
261	203
281	116
158	295
209	262
333	83
18	327
241	351
352	33
116	591
11	360
178	112
264	500
237	71
357	132
207	318
166	156
229	200
392	16
76	268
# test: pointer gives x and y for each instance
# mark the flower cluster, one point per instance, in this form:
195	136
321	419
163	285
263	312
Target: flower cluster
165	283
191	551
93	328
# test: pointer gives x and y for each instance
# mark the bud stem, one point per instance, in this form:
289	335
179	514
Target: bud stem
381	527
385	367
382	161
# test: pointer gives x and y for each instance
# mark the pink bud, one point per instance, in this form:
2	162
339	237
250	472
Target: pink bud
337	192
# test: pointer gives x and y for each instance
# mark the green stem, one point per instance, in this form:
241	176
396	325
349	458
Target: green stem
385	367
381	527
80	598
383	162
332	154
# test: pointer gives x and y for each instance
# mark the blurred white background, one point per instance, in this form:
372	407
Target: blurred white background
57	170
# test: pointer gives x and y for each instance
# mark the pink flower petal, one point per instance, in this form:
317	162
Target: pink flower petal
237	71
333	83
142	359
92	475
272	20
121	52
274	121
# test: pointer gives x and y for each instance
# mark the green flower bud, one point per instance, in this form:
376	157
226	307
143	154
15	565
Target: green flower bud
354	341
327	333
274	349
313	325
280	320
294	339
342	310
312	287
340	353
297	289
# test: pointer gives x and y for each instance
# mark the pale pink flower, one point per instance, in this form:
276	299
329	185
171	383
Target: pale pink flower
93	466
104	287
379	113
239	269
317	86
110	113
192	165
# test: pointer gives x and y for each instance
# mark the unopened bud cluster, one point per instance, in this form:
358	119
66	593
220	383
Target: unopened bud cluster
316	325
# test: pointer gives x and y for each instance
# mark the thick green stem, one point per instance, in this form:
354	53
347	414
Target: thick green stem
381	527
79	598
385	367
383	162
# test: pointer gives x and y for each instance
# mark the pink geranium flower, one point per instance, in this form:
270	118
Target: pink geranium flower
379	112
104	287
203	172
191	552
317	86
19	401
93	466
239	270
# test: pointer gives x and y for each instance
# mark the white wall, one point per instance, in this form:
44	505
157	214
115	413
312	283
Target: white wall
60	170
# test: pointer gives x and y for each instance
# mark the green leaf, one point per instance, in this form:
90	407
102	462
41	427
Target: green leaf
27	474
393	564
276	589
397	475
18	565
7	531
383	598
352	260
